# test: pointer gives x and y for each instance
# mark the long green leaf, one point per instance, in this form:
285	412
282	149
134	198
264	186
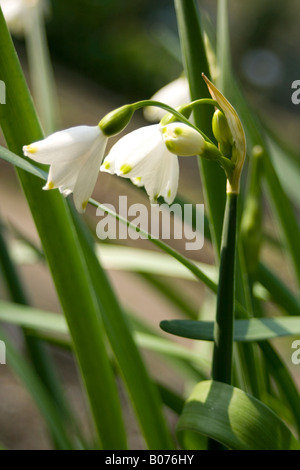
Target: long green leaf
54	326
19	162
232	417
287	165
254	329
55	227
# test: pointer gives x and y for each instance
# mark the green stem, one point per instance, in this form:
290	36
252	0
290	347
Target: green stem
177	114
224	322
223	333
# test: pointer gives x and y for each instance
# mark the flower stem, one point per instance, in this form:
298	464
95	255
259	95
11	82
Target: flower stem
223	333
177	114
224	322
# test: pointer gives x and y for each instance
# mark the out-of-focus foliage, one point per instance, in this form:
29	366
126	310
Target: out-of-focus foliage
114	41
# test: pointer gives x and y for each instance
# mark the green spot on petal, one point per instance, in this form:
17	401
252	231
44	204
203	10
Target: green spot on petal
170	145
84	204
106	165
178	131
169	193
125	169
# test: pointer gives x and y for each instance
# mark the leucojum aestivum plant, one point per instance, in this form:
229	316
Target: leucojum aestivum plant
243	396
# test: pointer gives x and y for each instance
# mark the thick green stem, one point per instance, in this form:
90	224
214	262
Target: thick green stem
224	322
223	333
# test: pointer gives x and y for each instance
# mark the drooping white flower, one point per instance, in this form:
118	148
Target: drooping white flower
74	156
16	13
143	156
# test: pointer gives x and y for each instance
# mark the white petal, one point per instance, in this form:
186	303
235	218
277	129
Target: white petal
163	180
170	183
137	181
64	146
127	157
87	177
63	175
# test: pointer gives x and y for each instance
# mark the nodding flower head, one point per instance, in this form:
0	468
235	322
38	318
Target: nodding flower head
143	157
74	156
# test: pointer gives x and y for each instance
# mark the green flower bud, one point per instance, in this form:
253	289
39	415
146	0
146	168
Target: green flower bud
115	121
235	153
221	129
182	139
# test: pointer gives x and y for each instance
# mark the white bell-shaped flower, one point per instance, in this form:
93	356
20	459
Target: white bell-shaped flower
143	157
74	156
148	156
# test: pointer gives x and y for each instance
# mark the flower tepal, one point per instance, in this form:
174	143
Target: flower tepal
143	157
74	156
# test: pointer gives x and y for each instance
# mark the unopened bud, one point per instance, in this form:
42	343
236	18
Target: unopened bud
115	121
182	139
221	129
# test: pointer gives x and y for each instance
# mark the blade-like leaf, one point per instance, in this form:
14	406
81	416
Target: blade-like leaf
232	417
54	325
19	162
51	215
254	329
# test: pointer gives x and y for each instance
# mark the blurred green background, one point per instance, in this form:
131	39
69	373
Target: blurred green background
132	46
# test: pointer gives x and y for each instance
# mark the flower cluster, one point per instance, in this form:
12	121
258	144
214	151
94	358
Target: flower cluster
147	156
